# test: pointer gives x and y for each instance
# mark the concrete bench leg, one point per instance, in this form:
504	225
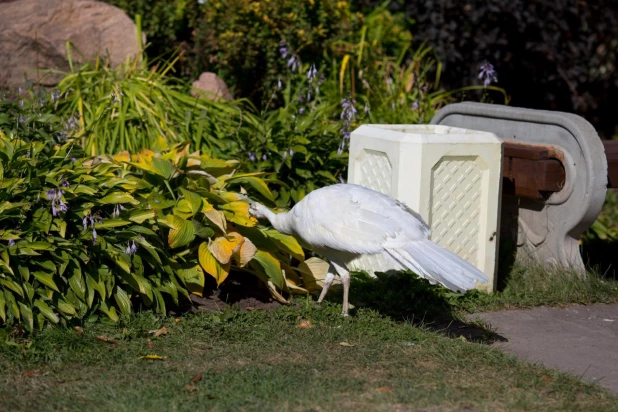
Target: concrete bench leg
547	230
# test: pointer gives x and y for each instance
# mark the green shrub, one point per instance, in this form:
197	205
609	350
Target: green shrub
85	234
240	39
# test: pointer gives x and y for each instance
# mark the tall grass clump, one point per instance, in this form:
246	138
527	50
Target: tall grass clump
132	106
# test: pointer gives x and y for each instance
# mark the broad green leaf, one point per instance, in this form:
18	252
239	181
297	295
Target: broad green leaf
212	265
117	197
194	200
107	223
287	243
194	279
270	266
109	311
15	287
76	282
181	233
46	311
183	209
11	304
47	279
24	272
123	301
26	315
139	216
66	307
2	307
257	183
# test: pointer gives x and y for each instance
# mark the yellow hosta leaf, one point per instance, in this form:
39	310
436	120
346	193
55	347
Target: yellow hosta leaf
123	156
245	253
230	196
224	247
153	357
238	212
182	232
212	265
292	279
313	271
145	156
206	206
160	144
218	218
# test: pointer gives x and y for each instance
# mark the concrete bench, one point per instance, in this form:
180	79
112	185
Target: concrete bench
555	174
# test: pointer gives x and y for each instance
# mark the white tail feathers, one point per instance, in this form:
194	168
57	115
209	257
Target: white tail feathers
437	264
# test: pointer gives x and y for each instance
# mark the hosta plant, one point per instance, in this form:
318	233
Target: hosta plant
109	234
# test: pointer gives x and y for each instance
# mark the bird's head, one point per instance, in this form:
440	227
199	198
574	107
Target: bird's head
257	210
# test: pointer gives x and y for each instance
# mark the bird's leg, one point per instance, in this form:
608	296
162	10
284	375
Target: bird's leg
328	281
344	274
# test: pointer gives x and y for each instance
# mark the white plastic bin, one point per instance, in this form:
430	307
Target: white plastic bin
451	176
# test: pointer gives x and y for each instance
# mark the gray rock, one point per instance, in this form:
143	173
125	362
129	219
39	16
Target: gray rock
33	36
212	86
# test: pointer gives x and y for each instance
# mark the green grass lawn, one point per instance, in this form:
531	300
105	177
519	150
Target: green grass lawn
267	360
406	346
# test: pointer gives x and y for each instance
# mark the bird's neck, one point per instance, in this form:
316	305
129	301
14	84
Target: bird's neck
281	221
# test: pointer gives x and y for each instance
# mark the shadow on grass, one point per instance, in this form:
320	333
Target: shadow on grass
403	296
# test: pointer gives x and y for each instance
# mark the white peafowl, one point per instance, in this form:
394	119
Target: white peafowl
343	221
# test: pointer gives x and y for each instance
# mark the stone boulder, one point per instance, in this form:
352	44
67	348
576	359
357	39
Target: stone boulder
33	36
211	86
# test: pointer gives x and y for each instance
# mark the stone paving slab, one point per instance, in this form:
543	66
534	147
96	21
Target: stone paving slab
581	340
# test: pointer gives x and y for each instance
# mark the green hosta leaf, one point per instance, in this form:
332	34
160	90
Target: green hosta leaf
11	304
66	307
139	216
2	307
46	311
109	311
117	197
29	290
257	183
287	243
267	264
24	272
143	231
77	283
47	279
149	248
194	279
107	223
183	209
327	175
123	301
202	231
15	287
181	233
38	246
26	315
160	302
83	189
96	285
193	199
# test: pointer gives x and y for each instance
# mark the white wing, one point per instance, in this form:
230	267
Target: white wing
355	219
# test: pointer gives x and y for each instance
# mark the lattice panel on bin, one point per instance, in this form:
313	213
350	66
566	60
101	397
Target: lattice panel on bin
375	171
456	206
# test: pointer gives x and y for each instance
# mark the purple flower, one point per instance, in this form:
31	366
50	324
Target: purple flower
92	220
57	205
301	110
366	109
21	104
264	157
415	105
285	155
348	111
65	183
11	241
294	63
131	248
341	179
283	49
55	95
279	85
21	119
251	156
487	73
291	153
20	91
117	210
312	73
